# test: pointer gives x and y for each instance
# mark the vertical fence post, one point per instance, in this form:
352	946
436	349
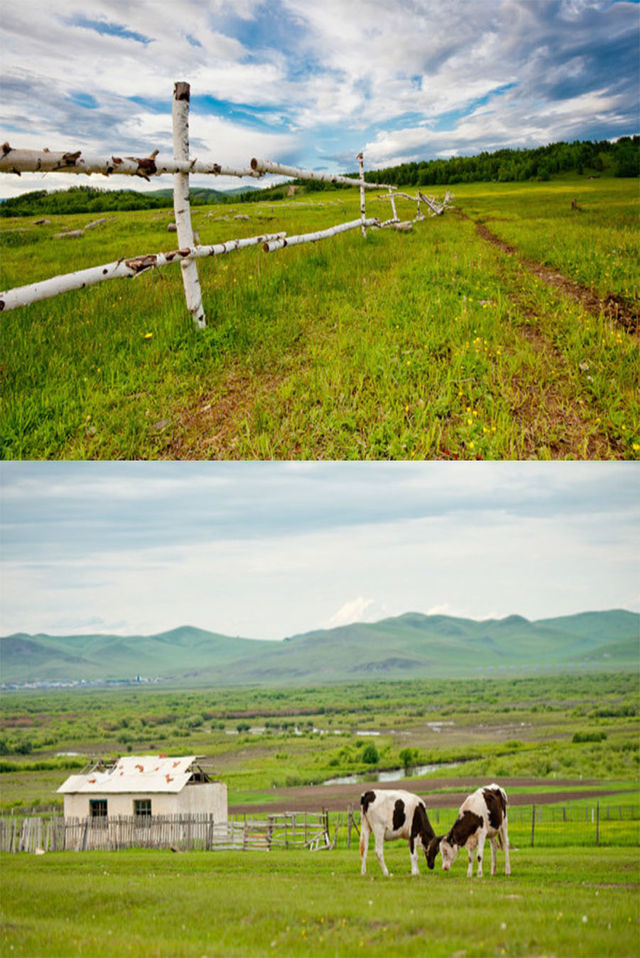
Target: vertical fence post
598	822
393	203
533	823
180	116
363	214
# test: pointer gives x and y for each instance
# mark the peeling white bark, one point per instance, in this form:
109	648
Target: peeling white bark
47	161
267	166
363	213
437	208
121	269
181	205
272	245
393	205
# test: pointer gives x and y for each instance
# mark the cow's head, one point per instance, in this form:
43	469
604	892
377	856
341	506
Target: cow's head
449	852
432	849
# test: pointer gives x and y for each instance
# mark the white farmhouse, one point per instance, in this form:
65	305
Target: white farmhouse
144	786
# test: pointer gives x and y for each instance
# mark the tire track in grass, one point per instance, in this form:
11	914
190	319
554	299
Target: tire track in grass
613	307
566	432
573	435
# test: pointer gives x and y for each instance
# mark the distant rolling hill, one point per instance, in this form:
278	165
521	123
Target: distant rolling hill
407	646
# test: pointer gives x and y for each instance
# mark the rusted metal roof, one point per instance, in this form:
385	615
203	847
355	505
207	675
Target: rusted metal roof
144	773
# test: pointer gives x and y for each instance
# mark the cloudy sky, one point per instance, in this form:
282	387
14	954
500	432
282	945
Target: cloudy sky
266	550
313	82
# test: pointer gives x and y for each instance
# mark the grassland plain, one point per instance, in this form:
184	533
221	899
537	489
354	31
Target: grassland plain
563	902
435	344
259	740
566	897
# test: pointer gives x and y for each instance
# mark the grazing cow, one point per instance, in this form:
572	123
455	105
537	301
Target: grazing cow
392	814
482	815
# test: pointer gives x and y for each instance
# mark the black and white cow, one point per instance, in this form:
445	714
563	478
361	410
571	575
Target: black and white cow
392	814
482	815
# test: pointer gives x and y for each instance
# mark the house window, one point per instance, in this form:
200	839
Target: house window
98	808
142	807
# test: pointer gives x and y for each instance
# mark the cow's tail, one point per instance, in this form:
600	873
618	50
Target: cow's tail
506	805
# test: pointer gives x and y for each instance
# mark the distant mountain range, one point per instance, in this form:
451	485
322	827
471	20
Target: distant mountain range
408	646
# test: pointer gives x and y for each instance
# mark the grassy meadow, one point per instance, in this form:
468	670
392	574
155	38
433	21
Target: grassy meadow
433	344
561	902
565	897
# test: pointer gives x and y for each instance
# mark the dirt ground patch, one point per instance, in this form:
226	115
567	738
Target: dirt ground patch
207	429
338	798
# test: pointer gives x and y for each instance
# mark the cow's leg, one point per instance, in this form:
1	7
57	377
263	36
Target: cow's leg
365	831
413	851
505	846
494	847
379	837
480	852
471	853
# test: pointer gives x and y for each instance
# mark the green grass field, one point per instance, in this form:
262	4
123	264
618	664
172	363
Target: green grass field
566	896
564	902
434	344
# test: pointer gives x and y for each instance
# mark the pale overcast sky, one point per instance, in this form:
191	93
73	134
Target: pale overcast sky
313	82
266	550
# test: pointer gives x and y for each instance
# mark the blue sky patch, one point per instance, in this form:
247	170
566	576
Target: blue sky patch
107	28
83	99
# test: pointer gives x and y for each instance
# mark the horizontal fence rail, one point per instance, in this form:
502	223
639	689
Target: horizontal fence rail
122	269
16	160
46	161
260	167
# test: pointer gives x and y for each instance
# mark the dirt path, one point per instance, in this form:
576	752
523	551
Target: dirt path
549	412
313	798
614	307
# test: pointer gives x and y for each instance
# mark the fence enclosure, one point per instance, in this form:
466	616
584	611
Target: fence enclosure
14	160
175	832
529	825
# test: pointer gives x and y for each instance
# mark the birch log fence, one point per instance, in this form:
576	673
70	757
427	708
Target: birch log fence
15	160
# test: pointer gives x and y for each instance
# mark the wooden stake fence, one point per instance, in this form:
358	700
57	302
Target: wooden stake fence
14	160
539	825
176	832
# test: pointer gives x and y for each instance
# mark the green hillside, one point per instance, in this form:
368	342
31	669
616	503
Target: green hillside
182	653
407	646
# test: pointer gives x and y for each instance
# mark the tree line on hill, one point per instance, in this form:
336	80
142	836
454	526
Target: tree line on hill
89	199
582	157
621	158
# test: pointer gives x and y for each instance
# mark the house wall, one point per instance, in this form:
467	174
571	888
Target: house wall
203	798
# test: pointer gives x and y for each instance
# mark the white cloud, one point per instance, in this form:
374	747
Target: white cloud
276	550
355	610
414	79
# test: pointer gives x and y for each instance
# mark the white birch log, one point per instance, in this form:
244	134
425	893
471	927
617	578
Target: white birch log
15	160
272	245
391	196
434	205
363	213
393	205
121	269
181	204
267	166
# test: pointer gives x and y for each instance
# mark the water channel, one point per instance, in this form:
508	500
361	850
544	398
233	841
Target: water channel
390	775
